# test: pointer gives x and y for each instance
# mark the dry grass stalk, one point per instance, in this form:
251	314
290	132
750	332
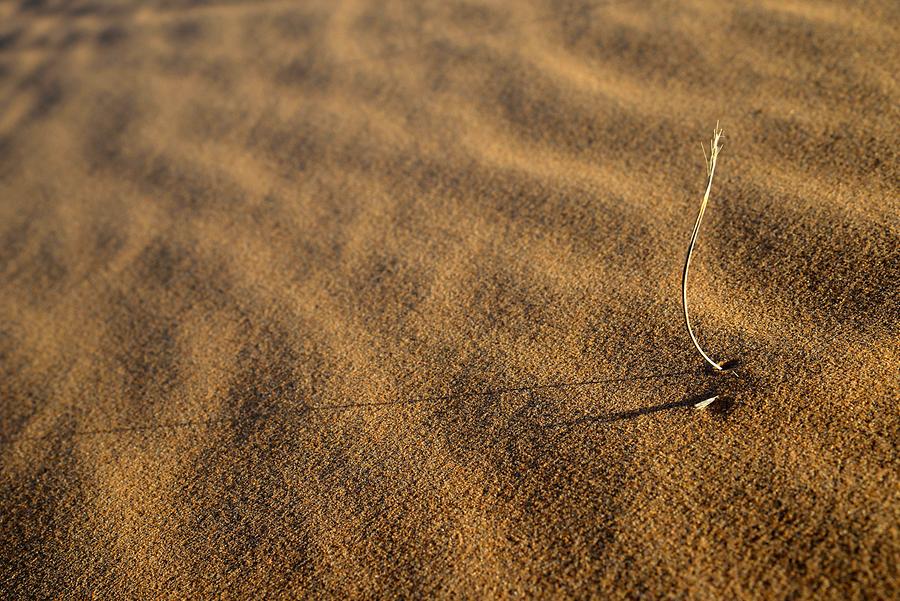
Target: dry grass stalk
714	148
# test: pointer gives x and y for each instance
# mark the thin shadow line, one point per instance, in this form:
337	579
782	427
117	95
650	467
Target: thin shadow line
324	408
496	391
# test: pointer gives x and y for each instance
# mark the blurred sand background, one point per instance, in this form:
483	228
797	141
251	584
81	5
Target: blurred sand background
381	299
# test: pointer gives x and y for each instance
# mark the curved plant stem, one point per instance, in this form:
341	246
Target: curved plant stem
714	148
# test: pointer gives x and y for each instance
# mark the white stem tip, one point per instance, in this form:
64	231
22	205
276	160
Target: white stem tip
706	403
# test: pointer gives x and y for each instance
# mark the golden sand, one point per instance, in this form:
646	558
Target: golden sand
382	299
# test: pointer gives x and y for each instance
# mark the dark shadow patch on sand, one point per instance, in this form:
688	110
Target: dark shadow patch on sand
146	355
519	307
793	35
185	32
478	18
265	383
659	55
23	391
97	8
14	240
32	5
540	109
549	209
392	288
311	70
384	30
826	269
144	318
111	37
296	25
837	148
69	40
54	493
45	89
583	217
109	129
109	241
182	62
183	186
8	39
49	95
161	261
39	275
239	492
293	146
176	271
236	510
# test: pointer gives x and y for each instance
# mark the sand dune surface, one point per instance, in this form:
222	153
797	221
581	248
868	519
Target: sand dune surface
366	299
